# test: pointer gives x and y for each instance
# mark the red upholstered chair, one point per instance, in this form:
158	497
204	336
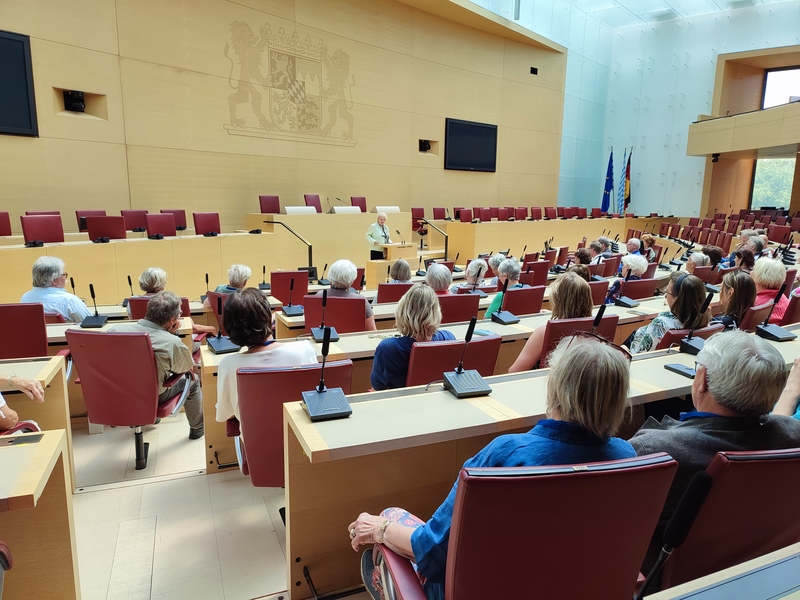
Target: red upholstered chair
43	213
780	220
450	264
599	291
521	213
214	300
779	233
417	214
465	215
486	515
5	224
650	272
694	221
663	229
755	315
792	314
138	306
25	326
439	213
550	212
179	215
674	230
732	226
134	219
280	282
535	273
530	257
744	483
639	288
791	275
703	237
719	224
717	275
20	427
360	202
659	250
555	329
567	212
346	315
703	273
391	292
313	200
161	224
536	213
120	383
612	265
551	255
597	213
261	415
485	215
269	204
53	317
582	243
428	360
581	213
674	336
597	269
87	213
456	212
724	241
111	227
44	228
502	214
524	301
457	308
713	237
359	282
560	211
206	222
494	211
706	223
563	253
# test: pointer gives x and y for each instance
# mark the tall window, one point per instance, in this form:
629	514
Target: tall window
772	182
781	86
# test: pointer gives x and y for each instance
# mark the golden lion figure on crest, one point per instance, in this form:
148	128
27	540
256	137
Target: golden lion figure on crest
248	48
338	74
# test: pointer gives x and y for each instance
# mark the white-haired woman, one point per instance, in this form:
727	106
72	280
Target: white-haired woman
473	276
769	274
439	278
342	275
238	275
636	265
697	259
154	280
377	234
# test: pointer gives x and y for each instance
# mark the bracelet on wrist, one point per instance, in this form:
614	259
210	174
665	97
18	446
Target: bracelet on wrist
382	536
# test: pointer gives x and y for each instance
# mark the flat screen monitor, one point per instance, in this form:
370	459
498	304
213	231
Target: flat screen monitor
470	146
17	101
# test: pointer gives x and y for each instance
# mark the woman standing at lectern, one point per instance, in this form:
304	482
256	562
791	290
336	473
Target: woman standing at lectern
378	233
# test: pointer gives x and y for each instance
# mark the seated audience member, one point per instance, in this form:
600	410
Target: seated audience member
417	318
586	403
508	270
342	275
49	288
32	389
400	272
787	404
685	296
633	246
737	294
739	377
161	323
581	270
769	275
238	275
744	239
714	254
696	259
494	262
583	256
570	298
648	241
756	246
596	250
248	321
605	243
744	260
762	235
473	276
439	278
634	264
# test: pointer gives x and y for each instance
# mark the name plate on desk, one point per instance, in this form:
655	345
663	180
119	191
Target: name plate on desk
343	210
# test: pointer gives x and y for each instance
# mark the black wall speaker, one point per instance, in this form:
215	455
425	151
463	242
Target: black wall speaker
424	145
73	101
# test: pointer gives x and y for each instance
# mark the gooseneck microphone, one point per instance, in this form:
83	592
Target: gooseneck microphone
72	285
775	332
598	318
221	344
263	285
204	296
322	280
691	344
402	239
323	403
290	310
503	316
420	272
96	321
680	524
219	314
130	285
321	333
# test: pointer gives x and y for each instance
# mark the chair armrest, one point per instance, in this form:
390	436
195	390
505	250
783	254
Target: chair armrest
405	579
22	427
67	354
199	337
170	381
232	427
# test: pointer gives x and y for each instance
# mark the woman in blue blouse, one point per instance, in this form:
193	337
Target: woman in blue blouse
578	429
417	317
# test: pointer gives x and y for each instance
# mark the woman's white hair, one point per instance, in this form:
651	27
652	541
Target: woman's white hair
342	274
769	273
238	275
379	215
699	259
153	279
495	260
438	277
509	268
636	263
476	268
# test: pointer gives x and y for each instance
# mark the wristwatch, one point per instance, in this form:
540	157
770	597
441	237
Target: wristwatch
382	536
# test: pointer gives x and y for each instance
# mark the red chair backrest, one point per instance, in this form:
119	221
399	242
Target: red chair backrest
524	301
530	257
639	288
391	292
45	228
612	265
597	269
42	213
659	250
719	224
179	215
261	414
53	318
674	230
779	233
755	315
163	224
560	328
359	283
5	224
485	215
703	238
792	314
502	214
724	241
563	253
118	376
360	202
581	213
111	227
551	256
206	222
87	213
134	219
674	336
694	221
457	308
535	273
791	275
138	306
713	237
733	225
417	212
269	204
597	213
484	516
706	223
744	483
450	264
717	275
346	315
703	273
214	299
429	360
280	282
313	200
599	291
650	271
520	213
25	328
536	213
439	213
465	215
550	212
663	229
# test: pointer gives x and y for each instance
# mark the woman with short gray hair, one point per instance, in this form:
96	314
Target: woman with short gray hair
769	275
238	275
473	276
439	278
634	264
508	271
378	234
342	276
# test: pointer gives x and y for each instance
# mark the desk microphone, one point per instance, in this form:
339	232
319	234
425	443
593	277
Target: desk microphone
503	316
691	344
598	318
263	285
330	208
363	283
624	301
319	333
204	296
342	201
420	272
680	524
448	217
324	403
402	239
462	383
524	249
292	311
455	261
221	344
322	280
72	285
774	332
96	321
388	273
675	262
130	285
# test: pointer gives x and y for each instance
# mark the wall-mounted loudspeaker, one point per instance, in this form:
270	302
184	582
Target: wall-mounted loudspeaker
424	145
73	101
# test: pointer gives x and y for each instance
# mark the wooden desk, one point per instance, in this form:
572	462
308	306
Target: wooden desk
396	251
36	519
405	448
